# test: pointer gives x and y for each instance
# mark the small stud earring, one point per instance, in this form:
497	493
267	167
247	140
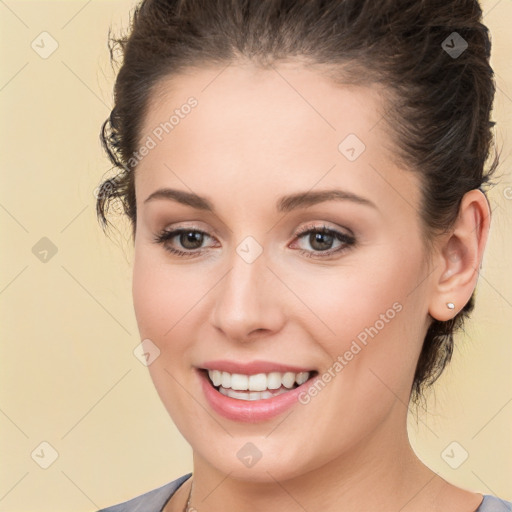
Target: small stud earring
450	305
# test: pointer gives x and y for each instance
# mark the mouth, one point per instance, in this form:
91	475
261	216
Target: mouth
260	386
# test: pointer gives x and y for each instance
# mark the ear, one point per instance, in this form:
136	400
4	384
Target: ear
458	257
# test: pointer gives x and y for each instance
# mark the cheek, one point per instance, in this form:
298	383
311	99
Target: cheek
367	314
357	297
161	302
150	298
161	294
170	307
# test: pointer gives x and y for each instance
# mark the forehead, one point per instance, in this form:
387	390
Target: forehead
254	129
289	99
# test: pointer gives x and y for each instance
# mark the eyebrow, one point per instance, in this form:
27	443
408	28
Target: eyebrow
284	203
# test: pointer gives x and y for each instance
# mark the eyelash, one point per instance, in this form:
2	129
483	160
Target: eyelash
348	240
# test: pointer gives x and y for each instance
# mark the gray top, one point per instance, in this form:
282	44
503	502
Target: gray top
155	500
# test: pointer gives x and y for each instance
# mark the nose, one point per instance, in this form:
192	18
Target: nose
247	304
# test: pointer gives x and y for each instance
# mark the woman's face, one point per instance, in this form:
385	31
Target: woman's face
349	305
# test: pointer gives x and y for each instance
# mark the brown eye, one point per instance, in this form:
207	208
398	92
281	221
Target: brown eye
191	239
321	240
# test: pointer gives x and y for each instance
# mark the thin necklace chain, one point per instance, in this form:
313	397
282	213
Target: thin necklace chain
189	496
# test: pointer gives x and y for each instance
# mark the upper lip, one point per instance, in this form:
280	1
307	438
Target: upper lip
251	367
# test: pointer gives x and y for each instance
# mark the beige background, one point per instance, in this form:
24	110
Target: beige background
68	373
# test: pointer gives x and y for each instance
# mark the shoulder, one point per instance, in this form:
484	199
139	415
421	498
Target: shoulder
152	501
494	504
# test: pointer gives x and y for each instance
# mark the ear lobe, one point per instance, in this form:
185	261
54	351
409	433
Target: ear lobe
459	256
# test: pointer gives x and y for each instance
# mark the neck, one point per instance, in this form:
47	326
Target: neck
381	472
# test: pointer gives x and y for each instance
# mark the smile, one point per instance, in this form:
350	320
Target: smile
260	386
252	391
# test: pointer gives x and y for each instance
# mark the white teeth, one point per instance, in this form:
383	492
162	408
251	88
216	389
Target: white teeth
258	382
288	380
226	380
302	377
240	382
274	380
250	396
216	377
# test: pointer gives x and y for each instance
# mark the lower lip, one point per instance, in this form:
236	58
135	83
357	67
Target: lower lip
250	411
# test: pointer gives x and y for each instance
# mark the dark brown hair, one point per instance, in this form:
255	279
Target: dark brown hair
439	108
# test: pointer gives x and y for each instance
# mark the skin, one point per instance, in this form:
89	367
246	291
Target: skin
255	136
